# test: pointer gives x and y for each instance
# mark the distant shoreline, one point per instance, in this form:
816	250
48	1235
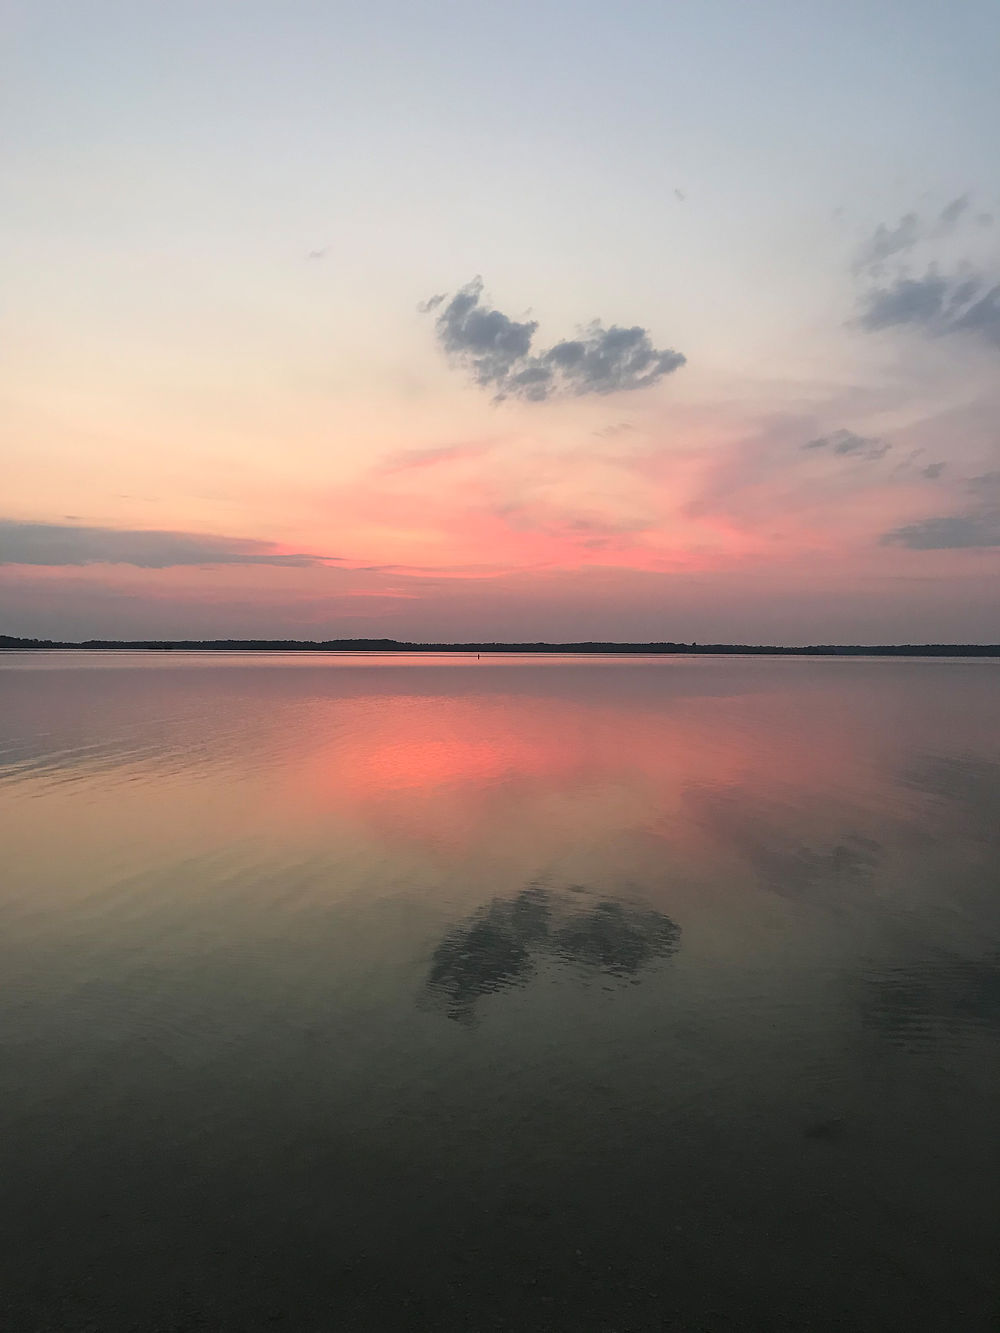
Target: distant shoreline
10	643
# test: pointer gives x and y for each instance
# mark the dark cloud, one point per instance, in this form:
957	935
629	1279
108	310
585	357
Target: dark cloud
64	544
494	347
932	471
845	442
497	351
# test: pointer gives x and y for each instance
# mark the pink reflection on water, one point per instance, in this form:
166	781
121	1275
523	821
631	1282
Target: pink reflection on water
457	773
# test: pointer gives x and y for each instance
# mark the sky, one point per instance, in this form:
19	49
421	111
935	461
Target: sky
534	320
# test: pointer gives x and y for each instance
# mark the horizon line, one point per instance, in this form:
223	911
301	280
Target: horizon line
14	643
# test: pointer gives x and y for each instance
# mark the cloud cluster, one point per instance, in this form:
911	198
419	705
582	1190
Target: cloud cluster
497	351
59	544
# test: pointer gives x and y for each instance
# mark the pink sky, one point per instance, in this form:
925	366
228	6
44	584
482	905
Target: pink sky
224	413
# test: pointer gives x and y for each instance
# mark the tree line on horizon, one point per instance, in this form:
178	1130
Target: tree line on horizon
14	643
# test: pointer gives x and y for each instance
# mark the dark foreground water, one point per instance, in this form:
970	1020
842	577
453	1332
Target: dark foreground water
368	993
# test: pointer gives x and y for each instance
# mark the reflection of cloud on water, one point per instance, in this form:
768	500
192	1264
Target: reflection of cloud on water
966	784
916	1004
967	779
786	865
616	939
501	945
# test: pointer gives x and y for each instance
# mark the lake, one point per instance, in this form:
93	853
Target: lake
377	992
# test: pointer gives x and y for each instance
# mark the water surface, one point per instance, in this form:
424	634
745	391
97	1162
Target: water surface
360	992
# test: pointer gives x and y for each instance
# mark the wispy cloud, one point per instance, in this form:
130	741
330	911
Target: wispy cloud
845	442
908	287
60	544
887	241
407	460
497	352
975	526
616	428
910	231
986	484
949	532
936	304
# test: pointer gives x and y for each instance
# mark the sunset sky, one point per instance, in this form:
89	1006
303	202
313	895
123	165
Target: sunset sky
525	320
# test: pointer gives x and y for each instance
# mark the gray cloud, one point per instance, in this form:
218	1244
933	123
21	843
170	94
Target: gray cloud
936	303
912	465
987	483
966	303
845	442
974	528
982	315
909	231
497	351
906	301
68	544
978	525
951	213
888	241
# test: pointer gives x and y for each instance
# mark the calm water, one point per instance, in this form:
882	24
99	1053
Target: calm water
376	993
